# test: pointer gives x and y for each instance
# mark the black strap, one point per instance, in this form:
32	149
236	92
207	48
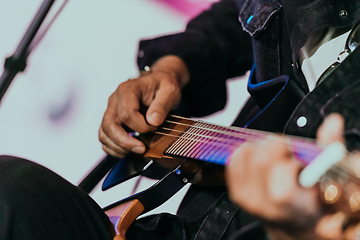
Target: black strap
221	213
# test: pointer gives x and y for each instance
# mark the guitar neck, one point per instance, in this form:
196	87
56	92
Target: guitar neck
215	144
340	179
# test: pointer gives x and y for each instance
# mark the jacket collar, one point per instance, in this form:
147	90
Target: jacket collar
306	17
255	15
303	17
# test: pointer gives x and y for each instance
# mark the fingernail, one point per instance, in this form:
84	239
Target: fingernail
155	119
138	150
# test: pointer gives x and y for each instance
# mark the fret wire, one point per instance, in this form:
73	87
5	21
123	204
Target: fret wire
223	152
238	130
192	133
246	132
205	140
241	131
180	142
175	136
215	154
173	148
190	147
210	130
209	144
230	143
216	146
197	135
192	141
335	168
205	136
236	134
296	142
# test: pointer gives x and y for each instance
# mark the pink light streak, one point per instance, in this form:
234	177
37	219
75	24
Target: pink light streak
190	8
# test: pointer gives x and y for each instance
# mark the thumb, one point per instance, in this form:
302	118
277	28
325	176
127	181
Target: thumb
160	107
155	118
331	130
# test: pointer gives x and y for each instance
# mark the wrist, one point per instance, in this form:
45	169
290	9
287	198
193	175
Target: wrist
172	65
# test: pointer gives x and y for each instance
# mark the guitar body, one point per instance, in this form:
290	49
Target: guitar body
156	164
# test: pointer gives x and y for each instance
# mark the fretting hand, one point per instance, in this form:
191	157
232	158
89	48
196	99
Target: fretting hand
263	180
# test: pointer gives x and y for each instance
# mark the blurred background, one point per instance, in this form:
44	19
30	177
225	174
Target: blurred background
52	111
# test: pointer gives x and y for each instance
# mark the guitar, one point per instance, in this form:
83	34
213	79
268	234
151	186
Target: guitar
197	151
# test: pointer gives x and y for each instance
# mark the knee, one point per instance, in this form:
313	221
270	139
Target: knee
21	175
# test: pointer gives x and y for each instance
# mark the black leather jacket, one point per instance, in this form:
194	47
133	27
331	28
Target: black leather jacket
265	35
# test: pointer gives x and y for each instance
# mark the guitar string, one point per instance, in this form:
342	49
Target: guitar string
237	134
185	143
241	131
220	142
334	169
220	147
219	139
238	129
249	135
217	142
303	141
187	149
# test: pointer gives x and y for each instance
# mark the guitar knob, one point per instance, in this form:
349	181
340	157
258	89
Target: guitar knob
341	193
331	193
330	190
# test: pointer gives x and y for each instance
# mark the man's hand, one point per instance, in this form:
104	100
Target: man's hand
263	179
158	90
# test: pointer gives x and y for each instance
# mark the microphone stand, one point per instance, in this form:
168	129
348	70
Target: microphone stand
17	62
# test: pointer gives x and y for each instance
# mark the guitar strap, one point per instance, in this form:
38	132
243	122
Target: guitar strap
277	111
221	213
274	86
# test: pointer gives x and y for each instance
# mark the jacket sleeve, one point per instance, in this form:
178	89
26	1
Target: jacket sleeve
214	48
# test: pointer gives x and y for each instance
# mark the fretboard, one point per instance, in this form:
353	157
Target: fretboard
215	144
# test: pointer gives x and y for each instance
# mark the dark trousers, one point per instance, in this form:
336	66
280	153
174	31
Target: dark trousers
36	203
204	214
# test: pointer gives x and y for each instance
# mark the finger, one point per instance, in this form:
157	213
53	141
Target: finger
110	147
278	173
274	148
117	134
239	177
352	232
125	106
113	153
166	97
235	171
135	121
331	226
331	130
330	134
